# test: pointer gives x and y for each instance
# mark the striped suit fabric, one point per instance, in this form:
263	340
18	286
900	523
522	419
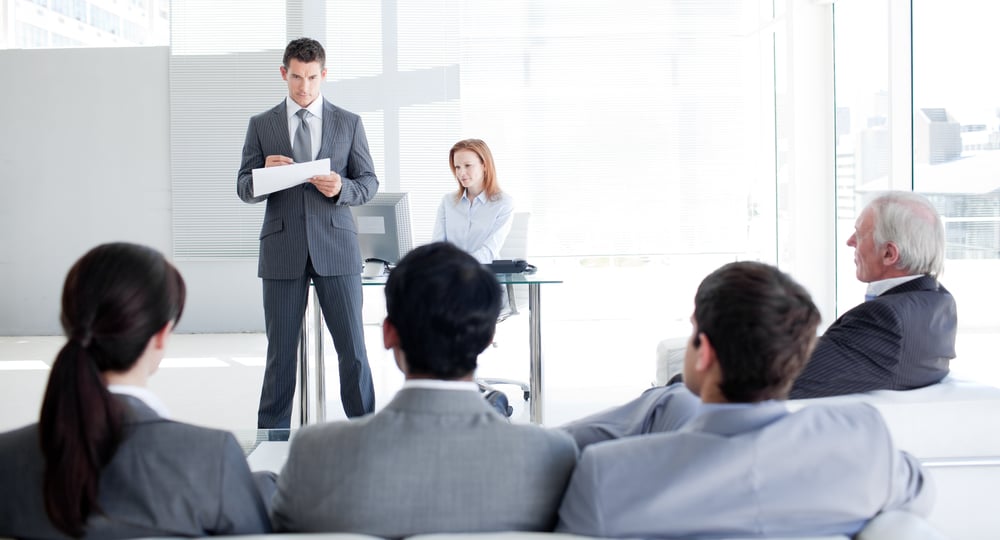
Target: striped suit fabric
900	340
306	236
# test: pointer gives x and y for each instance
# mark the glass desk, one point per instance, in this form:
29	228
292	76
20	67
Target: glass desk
312	398
265	449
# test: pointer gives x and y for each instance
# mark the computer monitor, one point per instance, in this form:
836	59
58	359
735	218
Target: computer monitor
384	227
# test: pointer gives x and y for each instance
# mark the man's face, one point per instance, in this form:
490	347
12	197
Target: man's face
868	258
304	80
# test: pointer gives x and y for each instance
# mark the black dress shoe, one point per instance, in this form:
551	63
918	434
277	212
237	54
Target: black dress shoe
499	402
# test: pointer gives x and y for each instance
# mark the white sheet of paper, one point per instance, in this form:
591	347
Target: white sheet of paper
270	179
269	456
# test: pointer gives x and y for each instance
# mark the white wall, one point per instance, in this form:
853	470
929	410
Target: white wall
84	159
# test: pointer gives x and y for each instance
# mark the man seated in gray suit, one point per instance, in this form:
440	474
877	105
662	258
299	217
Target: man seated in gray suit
438	458
903	335
743	465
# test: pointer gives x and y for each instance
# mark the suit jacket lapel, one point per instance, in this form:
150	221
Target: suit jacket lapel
330	125
278	126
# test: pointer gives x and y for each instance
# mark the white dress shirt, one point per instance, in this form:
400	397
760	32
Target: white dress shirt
144	395
314	120
479	226
876	288
440	384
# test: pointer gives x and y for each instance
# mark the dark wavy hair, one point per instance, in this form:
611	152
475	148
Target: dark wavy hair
304	50
116	297
444	306
762	325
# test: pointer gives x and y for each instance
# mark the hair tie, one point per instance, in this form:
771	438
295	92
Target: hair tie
84	339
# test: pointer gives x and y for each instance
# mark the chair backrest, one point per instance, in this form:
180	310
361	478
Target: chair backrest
516	245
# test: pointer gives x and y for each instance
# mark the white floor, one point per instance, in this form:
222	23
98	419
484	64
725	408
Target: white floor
214	379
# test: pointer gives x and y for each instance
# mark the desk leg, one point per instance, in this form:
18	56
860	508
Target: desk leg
304	367
312	330
535	344
320	358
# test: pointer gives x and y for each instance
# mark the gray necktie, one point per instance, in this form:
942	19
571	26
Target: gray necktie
302	146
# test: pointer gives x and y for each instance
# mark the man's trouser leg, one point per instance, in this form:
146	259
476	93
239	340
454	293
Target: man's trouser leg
284	307
341	299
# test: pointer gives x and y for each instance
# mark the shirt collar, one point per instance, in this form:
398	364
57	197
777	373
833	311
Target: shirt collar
438	384
481	197
315	108
144	395
734	418
876	288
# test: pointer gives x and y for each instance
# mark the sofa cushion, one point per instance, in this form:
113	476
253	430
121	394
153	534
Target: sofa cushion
944	420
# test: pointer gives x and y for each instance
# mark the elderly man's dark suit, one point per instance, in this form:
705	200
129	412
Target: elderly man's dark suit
900	340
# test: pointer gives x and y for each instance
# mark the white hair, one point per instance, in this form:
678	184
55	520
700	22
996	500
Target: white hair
910	221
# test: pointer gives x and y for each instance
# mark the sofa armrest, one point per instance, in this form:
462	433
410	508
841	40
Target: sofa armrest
899	525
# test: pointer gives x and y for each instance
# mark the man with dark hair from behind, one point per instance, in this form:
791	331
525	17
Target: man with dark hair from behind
438	458
740	464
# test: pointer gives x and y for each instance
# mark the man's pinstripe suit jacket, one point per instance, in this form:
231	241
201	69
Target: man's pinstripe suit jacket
300	221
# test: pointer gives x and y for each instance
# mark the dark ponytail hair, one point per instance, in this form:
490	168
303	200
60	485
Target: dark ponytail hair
116	297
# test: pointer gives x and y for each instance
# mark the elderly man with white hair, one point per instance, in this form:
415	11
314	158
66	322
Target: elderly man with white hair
903	335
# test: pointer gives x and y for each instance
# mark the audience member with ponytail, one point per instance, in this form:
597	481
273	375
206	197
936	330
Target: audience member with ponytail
105	461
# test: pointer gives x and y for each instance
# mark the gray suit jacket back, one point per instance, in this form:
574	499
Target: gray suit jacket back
753	471
431	461
300	221
166	479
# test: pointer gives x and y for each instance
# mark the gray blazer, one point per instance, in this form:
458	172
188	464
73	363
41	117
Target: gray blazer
166	479
746	471
431	461
300	221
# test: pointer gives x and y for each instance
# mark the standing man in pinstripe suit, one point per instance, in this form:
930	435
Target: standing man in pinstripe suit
308	232
903	335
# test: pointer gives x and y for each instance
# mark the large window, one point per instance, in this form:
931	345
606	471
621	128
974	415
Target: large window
917	109
863	129
956	160
39	24
644	137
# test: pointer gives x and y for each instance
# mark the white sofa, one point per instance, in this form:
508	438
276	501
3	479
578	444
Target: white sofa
888	526
953	427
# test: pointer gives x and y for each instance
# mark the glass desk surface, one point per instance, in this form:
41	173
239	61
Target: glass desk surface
250	439
312	408
506	279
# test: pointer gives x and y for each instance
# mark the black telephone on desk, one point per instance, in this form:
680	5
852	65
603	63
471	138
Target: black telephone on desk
510	266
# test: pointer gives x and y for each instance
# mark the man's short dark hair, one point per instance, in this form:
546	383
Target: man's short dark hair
444	306
305	50
762	325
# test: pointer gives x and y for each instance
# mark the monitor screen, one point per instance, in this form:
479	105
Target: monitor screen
384	227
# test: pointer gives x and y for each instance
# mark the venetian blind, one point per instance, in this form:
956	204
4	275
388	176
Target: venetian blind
623	127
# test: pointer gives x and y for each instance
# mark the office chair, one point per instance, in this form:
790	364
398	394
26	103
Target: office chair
670	359
514	247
